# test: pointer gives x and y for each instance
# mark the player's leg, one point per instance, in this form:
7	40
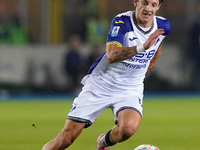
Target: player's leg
127	110
128	123
66	136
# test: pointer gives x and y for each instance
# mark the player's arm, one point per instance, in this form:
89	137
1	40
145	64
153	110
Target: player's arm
155	57
115	53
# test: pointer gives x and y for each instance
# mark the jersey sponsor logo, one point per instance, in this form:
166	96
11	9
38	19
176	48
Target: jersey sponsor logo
149	55
141	59
119	21
133	66
115	31
134	38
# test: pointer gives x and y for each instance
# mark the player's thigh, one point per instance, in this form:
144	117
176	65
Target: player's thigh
87	107
128	101
72	129
129	116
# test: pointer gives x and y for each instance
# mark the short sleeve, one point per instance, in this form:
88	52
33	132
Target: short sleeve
117	31
164	23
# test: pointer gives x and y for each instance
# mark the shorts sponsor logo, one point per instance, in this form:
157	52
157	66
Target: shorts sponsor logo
73	107
140	102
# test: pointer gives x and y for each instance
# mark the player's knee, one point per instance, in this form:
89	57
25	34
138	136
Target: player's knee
129	129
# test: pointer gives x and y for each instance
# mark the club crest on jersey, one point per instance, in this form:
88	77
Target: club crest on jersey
115	31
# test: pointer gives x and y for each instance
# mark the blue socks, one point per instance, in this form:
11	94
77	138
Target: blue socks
108	140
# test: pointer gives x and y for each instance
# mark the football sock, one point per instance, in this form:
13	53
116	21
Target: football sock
106	140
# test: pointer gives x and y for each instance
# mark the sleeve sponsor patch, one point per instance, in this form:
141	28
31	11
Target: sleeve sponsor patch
115	31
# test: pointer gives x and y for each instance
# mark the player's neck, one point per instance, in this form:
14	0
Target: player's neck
144	24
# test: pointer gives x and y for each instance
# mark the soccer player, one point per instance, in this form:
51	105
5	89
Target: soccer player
115	80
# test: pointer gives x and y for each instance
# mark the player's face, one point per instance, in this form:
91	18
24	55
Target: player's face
145	11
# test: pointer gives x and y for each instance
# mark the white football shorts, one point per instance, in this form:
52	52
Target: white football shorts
94	99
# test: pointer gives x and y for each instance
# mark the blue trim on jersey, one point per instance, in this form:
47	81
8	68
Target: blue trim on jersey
164	24
124	22
95	63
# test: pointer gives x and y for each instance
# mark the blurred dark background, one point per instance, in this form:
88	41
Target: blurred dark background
47	46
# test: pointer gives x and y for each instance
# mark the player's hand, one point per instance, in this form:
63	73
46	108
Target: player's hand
152	38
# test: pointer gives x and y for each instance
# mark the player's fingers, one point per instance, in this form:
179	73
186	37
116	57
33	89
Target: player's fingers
159	31
152	38
156	34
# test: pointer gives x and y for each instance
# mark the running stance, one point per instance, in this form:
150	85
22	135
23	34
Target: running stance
115	80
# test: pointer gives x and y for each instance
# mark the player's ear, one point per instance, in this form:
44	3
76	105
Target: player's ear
158	7
135	2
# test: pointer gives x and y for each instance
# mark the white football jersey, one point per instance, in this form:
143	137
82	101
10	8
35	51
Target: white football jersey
130	73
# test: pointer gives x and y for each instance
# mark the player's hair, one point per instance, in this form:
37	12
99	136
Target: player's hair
160	1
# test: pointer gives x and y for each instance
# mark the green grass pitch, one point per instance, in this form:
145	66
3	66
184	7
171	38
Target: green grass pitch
168	123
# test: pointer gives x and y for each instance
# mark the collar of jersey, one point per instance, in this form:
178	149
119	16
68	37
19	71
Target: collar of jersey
144	32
